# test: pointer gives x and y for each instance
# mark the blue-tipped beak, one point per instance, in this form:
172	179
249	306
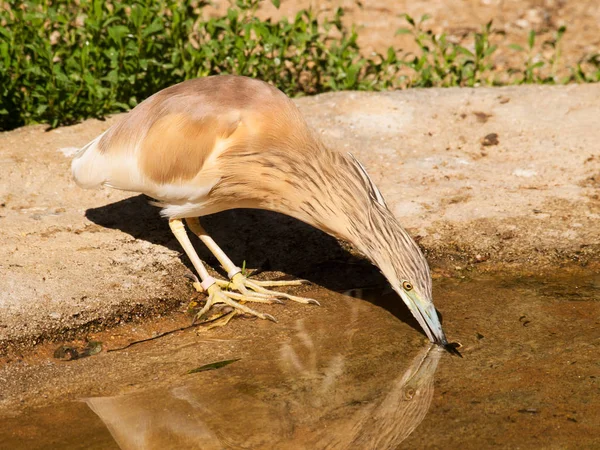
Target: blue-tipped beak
426	315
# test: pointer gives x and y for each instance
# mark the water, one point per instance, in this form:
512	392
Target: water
353	374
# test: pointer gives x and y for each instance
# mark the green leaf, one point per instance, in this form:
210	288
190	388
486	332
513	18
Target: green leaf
531	39
41	109
409	19
403	31
153	28
117	32
490	50
464	51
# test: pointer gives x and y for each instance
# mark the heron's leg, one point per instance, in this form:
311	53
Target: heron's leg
209	284
238	280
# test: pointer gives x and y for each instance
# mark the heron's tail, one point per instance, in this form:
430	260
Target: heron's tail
87	166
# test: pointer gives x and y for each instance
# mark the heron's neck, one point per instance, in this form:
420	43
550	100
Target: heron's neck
343	205
326	190
381	238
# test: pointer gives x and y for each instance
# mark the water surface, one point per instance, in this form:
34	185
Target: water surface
353	374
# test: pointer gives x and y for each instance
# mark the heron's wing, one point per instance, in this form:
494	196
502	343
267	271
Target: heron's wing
161	155
175	138
177	146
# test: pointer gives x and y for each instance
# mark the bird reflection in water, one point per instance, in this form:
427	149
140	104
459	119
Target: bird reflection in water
314	396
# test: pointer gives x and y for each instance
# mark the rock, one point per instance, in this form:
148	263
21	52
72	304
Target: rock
108	254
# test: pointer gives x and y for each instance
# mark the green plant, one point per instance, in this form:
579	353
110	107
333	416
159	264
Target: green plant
62	61
443	63
587	70
535	61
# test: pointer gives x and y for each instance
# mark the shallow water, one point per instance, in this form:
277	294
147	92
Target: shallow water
353	374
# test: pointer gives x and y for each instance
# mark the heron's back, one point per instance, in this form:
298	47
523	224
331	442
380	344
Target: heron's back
169	146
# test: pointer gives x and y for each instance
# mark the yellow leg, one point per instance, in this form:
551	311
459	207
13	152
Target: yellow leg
208	284
239	281
228	265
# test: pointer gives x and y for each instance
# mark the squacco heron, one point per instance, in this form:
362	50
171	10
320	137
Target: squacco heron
223	142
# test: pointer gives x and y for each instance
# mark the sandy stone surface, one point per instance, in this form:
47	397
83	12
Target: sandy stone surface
504	178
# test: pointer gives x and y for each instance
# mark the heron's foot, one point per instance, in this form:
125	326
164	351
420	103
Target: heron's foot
253	288
233	299
239	290
243	293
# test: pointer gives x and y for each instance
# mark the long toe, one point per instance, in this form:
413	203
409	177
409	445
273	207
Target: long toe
258	288
254	291
220	320
253	297
268	283
244	293
216	295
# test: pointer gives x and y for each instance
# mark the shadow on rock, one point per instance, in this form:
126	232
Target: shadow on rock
265	240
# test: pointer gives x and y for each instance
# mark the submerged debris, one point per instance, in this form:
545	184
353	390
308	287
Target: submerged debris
70	353
214	366
528	411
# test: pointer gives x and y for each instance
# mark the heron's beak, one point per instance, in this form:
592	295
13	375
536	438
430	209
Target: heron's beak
426	315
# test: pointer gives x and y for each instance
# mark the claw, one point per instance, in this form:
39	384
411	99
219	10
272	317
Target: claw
270	317
191	276
195	281
216	295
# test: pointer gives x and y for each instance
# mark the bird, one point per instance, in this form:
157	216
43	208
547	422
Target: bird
223	142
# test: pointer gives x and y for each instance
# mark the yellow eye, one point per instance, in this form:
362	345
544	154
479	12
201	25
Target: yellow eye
407	286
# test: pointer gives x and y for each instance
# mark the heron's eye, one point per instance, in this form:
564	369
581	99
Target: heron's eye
409	394
407	286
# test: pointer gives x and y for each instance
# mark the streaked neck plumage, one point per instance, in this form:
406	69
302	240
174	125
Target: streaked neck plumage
332	192
351	207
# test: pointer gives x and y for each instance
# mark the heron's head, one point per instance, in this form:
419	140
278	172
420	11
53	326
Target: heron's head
415	292
402	262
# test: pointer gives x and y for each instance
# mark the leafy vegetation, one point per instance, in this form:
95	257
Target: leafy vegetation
62	61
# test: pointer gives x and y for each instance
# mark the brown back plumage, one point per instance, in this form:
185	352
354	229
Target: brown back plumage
176	130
